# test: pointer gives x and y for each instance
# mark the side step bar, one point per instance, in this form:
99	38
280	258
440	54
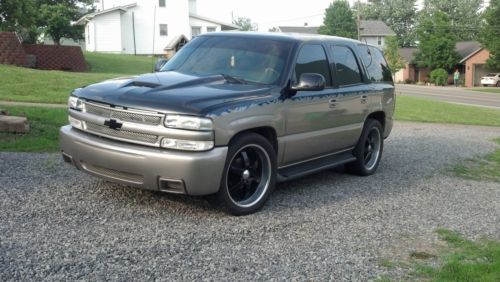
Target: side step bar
313	166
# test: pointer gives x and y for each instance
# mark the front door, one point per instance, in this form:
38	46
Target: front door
309	115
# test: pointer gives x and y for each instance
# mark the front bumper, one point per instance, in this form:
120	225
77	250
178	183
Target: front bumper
198	173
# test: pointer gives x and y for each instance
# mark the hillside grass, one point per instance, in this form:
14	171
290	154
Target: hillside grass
41	86
118	63
424	110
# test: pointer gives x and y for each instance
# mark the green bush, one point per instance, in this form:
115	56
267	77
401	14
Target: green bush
439	76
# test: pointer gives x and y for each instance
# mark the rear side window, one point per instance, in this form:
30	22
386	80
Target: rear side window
375	63
312	59
347	70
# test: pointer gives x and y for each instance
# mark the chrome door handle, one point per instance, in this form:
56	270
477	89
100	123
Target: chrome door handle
364	99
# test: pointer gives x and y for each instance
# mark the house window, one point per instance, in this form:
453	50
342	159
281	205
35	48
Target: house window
211	29
195	31
161	3
379	42
163	30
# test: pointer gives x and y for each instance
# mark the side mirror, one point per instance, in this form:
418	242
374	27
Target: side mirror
160	63
310	82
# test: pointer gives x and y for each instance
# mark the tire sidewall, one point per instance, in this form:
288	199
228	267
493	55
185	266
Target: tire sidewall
234	147
360	147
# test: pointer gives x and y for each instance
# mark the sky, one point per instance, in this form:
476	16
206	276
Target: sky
267	13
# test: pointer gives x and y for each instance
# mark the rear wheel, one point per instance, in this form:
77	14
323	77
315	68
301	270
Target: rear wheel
369	149
249	174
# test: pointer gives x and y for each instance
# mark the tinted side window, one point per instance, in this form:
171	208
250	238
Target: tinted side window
375	64
312	59
347	70
379	59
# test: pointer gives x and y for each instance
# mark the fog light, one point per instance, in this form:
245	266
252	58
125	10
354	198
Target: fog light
186	145
75	123
172	186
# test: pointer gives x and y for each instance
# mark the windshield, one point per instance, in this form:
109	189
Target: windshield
249	60
491	75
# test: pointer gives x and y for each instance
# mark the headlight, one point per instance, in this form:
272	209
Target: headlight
75	103
188	122
186	144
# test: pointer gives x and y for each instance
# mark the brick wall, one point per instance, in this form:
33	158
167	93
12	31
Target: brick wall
11	50
53	57
475	61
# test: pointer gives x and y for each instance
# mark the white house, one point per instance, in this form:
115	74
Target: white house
371	32
144	26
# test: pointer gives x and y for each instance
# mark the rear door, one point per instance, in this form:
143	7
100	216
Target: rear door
353	95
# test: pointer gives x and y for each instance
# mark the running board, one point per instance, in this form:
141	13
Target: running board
310	167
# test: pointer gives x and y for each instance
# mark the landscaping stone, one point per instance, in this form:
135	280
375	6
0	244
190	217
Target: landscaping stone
14	124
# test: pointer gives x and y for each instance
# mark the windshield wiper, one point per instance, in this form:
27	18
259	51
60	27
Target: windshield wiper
233	79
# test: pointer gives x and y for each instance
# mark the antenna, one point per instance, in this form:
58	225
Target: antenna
369	53
154	35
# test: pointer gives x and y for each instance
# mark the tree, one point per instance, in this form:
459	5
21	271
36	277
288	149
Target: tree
391	53
437	43
399	15
30	18
490	34
339	20
245	24
19	16
464	15
57	18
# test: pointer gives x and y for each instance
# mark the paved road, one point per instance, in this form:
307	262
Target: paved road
59	224
451	94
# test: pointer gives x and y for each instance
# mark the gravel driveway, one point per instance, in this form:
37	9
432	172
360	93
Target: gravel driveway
57	223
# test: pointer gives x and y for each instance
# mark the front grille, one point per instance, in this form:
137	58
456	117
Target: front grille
125	135
115	174
123	115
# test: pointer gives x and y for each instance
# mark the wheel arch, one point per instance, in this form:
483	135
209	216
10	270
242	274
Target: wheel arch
268	132
379	116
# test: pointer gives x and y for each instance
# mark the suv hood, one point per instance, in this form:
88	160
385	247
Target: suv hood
173	92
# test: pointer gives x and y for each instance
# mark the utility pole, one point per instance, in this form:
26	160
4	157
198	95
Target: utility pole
359	21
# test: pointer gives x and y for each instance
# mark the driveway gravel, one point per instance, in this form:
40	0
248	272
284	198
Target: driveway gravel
57	223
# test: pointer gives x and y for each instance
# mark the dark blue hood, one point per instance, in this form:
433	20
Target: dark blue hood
173	92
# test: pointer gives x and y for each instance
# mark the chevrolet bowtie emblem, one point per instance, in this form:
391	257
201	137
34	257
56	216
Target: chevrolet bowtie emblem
113	124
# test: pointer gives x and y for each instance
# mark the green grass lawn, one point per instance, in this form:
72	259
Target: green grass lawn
424	110
486	89
28	85
481	168
118	63
464	260
44	130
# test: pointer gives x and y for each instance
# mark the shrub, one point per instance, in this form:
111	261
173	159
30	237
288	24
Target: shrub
439	76
409	81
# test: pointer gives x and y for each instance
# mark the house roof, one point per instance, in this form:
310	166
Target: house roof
300	29
467	49
175	41
224	26
121	9
408	54
374	28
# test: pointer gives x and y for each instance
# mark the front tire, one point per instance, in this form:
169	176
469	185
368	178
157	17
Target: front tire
368	151
249	175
